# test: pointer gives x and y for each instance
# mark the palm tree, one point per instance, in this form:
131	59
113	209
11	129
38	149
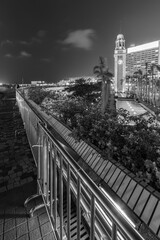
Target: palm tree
152	73
102	72
133	84
138	74
146	82
158	86
154	83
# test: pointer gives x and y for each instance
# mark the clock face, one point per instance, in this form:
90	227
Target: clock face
120	61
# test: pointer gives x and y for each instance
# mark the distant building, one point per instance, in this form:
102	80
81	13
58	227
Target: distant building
142	56
38	83
119	64
127	61
72	80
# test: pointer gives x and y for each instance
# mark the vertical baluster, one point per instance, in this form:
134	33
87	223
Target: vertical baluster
78	207
51	180
61	196
114	231
47	170
92	231
39	157
68	202
45	165
55	188
41	161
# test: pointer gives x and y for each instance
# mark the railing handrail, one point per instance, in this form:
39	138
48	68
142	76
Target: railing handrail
117	216
109	207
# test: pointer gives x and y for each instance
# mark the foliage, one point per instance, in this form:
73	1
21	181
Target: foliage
89	92
131	140
102	72
124	138
67	111
38	94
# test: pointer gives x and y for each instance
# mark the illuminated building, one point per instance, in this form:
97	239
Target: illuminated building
72	80
119	64
127	61
138	56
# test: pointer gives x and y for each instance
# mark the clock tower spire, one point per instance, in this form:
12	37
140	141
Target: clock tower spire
120	63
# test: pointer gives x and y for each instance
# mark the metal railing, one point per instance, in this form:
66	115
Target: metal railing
56	166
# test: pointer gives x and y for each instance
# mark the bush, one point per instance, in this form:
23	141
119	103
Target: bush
37	94
130	140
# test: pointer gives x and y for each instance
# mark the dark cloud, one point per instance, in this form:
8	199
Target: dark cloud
24	42
8	55
37	39
41	33
6	42
45	60
24	54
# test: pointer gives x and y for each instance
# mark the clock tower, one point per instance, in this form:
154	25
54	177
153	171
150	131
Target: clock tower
120	64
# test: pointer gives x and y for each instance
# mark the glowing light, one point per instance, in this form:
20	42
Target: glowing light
142	47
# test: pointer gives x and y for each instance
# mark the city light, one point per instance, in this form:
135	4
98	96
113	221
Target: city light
142	47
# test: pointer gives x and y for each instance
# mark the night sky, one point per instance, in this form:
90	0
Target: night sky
51	40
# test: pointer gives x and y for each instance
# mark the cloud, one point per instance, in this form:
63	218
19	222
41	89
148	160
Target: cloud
8	55
30	42
38	38
25	54
46	60
80	39
25	42
6	42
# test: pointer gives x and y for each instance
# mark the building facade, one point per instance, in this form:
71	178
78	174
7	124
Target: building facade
128	61
142	57
120	64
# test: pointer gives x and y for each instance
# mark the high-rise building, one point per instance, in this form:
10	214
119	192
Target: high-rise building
127	61
142	56
119	64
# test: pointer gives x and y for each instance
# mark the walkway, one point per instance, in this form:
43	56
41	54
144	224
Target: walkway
14	221
18	181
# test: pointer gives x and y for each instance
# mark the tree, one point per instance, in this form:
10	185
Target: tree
89	92
69	110
154	82
37	94
102	72
128	81
138	74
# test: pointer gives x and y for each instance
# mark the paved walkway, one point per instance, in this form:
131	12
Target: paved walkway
15	223
18	181
17	166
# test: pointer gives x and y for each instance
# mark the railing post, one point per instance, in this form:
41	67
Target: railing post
51	180
55	188
45	166
41	162
92	230
114	231
78	206
39	158
68	201
61	197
